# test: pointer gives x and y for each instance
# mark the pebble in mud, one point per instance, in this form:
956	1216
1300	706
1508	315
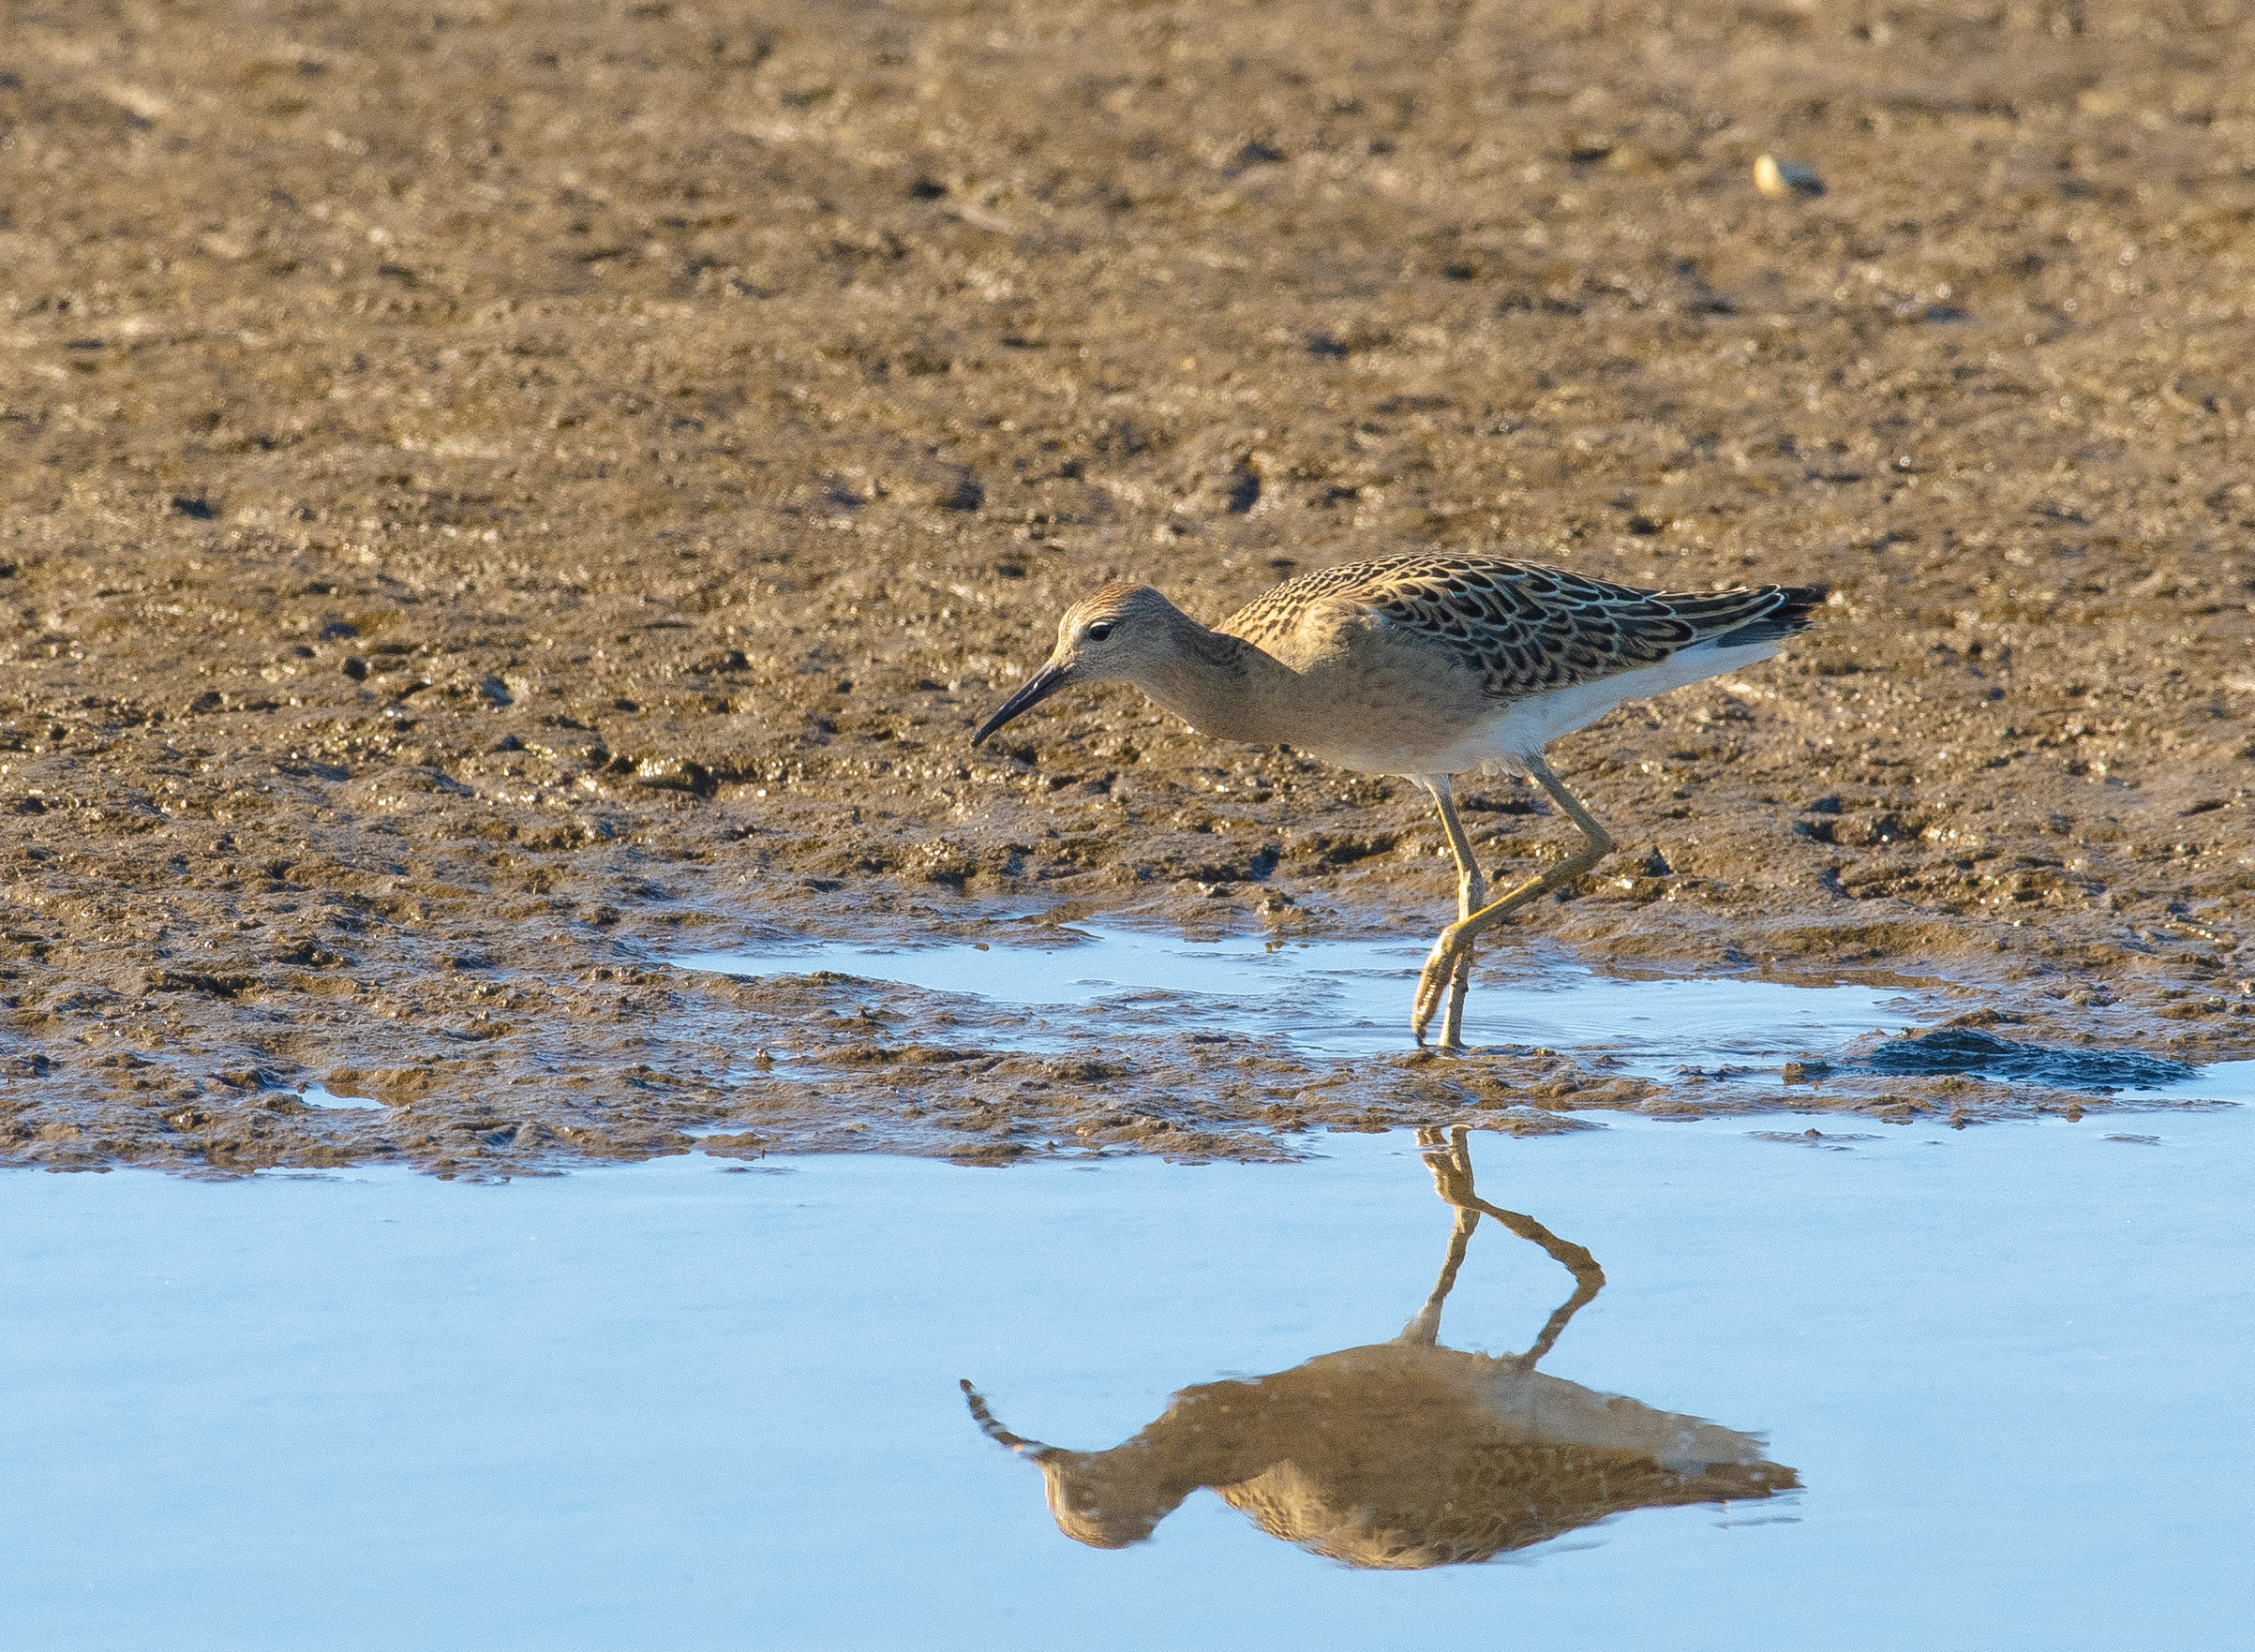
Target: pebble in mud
1774	176
459	521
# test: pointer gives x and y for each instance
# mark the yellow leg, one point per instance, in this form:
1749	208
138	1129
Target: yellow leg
1453	950
1471	893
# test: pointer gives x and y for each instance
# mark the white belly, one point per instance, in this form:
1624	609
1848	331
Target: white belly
1521	728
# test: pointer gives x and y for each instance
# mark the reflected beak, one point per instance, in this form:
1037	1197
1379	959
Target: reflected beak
1037	688
994	1429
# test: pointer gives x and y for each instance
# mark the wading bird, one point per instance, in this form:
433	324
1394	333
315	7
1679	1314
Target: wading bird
1426	667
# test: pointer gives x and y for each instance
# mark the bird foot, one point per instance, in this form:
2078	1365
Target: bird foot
1451	951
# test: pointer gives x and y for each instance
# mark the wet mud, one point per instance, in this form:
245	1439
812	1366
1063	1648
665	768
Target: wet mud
498	499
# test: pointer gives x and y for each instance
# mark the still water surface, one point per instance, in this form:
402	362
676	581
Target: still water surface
690	1405
1346	999
1338	998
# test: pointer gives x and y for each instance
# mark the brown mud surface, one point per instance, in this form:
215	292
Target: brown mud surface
498	494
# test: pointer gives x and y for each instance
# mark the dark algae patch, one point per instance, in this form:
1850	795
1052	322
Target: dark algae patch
1974	1053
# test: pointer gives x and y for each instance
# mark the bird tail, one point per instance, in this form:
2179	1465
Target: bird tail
1789	616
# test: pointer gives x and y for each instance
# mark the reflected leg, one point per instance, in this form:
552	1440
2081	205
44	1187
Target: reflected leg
1425	1330
1452	1171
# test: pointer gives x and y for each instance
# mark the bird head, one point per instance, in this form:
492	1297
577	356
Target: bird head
1106	1499
1118	634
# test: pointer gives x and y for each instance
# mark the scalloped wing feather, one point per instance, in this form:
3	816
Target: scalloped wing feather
1526	630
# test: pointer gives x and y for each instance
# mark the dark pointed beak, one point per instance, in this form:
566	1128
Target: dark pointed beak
1037	688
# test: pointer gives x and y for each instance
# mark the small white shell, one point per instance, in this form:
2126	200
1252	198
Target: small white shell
1774	176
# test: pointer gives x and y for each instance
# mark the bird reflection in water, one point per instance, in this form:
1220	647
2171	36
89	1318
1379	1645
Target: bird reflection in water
1405	1454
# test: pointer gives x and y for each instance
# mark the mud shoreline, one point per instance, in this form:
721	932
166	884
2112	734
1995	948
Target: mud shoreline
497	501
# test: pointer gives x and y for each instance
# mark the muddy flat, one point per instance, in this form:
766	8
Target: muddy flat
500	498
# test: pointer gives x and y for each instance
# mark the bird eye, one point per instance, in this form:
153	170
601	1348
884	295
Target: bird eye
1099	632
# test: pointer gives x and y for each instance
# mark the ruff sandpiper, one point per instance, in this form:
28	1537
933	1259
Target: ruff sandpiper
1423	666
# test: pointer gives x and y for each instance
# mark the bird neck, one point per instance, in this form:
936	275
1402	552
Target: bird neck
1222	686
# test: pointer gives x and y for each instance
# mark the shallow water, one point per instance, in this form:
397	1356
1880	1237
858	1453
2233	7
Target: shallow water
1339	998
680	1405
1348	999
318	1096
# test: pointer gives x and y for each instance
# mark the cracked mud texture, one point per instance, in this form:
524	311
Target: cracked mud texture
497	493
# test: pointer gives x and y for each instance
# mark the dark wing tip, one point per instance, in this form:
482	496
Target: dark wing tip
1790	617
1801	605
